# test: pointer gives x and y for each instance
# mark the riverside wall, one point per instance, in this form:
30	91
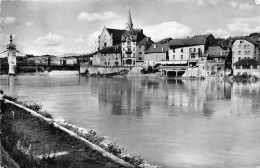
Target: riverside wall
102	70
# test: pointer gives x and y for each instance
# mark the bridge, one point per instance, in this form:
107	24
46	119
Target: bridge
14	65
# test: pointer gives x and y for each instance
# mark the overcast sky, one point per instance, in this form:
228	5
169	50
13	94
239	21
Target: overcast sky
72	26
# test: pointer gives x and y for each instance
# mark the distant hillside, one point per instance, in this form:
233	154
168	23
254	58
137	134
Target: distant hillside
226	42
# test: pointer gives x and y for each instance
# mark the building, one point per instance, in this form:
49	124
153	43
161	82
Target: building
110	56
156	53
187	51
142	46
130	39
109	37
247	66
244	48
129	42
213	62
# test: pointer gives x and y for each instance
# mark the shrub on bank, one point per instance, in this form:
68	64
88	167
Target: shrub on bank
149	70
33	106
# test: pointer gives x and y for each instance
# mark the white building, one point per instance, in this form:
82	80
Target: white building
244	48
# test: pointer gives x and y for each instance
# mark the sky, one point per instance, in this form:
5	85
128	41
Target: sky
58	27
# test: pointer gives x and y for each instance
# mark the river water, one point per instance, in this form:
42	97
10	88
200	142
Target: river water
172	123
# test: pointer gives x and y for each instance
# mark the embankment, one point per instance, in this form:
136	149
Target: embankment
33	140
100	70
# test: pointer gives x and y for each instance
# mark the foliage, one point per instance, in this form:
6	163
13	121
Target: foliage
50	160
149	70
34	107
14	99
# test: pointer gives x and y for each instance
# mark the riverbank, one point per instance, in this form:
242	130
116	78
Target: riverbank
35	142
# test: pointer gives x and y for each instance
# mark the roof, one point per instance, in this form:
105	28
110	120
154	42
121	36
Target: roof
145	41
165	40
247	39
216	51
136	33
117	33
205	36
110	50
246	62
187	42
157	48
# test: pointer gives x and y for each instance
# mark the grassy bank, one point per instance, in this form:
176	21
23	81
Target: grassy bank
33	142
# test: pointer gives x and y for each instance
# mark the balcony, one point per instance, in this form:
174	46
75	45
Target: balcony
128	51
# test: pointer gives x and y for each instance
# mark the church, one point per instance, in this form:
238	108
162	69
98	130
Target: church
118	47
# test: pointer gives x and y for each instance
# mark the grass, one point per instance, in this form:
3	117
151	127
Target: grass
91	136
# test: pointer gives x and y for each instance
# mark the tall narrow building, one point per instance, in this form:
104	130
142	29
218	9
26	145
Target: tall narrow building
11	48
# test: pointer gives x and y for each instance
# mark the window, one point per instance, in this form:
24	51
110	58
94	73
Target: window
233	58
248	47
181	56
105	44
140	58
241	41
245	46
194	49
248	52
192	56
246	67
181	49
116	58
254	66
190	50
239	46
245	52
123	55
133	48
134	54
140	47
173	57
237	67
239	52
239	58
128	42
173	50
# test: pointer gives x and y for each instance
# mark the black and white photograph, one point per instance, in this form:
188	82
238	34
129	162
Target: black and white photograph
129	83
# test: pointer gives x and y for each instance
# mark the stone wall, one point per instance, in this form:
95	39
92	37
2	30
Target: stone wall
90	70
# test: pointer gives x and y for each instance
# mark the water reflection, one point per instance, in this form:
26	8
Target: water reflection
178	97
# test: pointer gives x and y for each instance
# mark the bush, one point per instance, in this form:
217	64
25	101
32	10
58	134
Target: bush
149	70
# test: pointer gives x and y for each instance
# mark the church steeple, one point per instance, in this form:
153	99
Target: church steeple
129	24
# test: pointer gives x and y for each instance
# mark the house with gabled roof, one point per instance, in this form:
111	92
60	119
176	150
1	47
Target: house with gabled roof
156	53
188	50
245	48
109	37
141	47
213	62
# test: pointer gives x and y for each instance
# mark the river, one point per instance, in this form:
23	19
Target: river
172	123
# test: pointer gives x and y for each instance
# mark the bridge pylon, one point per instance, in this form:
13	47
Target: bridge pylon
11	54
